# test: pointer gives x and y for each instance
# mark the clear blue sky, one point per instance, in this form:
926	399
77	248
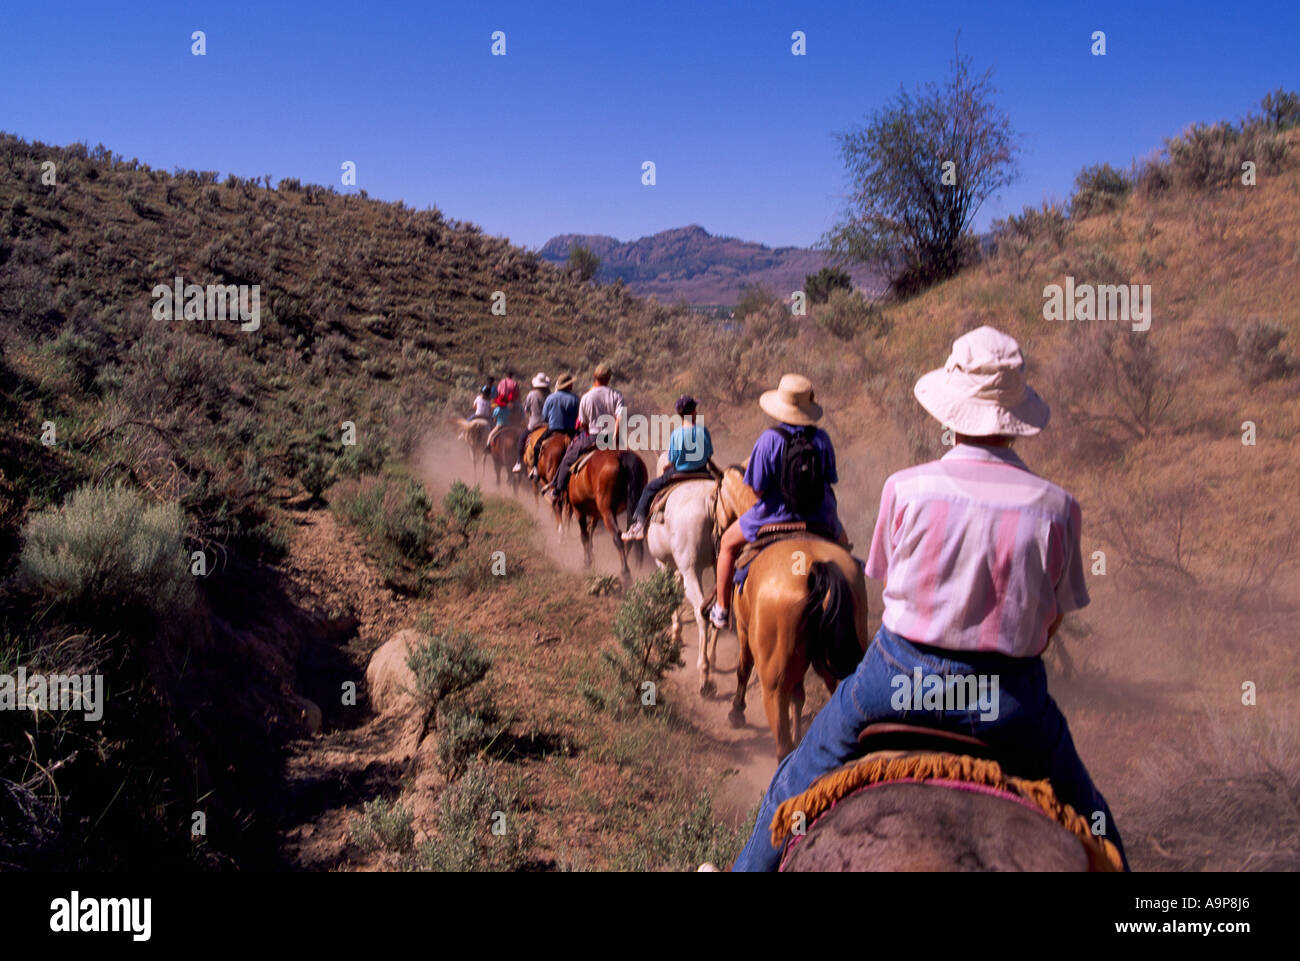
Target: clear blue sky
550	138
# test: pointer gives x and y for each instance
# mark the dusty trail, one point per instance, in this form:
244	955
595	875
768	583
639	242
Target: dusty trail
747	755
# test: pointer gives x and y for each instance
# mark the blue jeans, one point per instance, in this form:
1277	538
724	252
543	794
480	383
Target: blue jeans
1027	722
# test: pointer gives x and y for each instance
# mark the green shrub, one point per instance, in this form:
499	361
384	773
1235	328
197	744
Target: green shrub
463	733
753	299
847	313
1098	189
108	551
467	811
646	649
383	825
463	504
389	512
444	665
819	286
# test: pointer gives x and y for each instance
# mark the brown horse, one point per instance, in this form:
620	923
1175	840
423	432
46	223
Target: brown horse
548	463
502	450
804	604
610	481
474	433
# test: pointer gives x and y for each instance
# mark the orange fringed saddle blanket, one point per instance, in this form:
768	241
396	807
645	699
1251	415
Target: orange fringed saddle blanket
882	768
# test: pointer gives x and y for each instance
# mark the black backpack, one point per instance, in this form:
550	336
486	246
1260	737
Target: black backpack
803	479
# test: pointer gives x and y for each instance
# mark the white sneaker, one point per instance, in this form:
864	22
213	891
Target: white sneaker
517	469
718	617
635	533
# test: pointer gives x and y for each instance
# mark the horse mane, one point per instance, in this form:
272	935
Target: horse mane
828	620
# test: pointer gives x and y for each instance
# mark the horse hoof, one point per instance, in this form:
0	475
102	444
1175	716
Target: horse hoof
708	689
737	718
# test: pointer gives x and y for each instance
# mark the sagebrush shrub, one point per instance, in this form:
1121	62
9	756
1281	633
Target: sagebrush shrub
107	550
467	811
646	649
847	313
1098	189
1259	353
383	825
446	664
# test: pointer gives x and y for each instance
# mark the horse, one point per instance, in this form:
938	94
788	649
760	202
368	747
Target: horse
927	827
685	541
923	799
502	450
474	433
548	463
610	480
804	604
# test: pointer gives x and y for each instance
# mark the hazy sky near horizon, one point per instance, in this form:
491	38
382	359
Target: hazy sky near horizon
550	138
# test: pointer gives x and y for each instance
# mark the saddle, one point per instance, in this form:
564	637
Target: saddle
770	534
534	436
656	506
581	462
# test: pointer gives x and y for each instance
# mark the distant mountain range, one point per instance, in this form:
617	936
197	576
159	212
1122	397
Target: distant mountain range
692	264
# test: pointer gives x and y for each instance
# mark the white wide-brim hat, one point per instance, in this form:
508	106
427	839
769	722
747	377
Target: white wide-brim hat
541	380
981	390
792	401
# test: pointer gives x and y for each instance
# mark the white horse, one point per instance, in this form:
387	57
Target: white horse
684	542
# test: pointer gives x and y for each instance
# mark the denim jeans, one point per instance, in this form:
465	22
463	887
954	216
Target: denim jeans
1028	723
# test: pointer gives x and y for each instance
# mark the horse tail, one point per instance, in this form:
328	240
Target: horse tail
829	622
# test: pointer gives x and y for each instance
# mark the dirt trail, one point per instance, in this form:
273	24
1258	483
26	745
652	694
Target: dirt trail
747	755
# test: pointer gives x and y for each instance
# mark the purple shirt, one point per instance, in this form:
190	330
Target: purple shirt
977	552
764	476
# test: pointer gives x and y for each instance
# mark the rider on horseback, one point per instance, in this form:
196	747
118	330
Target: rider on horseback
533	409
981	561
793	451
600	412
560	413
689	449
483	404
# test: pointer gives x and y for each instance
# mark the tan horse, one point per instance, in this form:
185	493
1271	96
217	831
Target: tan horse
804	604
475	434
609	482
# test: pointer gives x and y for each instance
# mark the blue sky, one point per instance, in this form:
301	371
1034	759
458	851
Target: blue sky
551	137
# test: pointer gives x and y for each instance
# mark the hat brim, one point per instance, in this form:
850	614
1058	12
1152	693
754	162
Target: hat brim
980	418
803	415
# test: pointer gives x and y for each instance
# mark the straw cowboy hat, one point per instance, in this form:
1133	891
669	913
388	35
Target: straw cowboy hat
565	382
792	401
981	390
541	380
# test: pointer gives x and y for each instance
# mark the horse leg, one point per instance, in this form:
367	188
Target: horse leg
611	525
585	535
796	700
690	575
744	666
776	704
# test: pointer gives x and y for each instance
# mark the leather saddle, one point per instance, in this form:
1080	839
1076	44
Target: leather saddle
656	505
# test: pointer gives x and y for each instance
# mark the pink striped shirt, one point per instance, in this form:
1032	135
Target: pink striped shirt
977	552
